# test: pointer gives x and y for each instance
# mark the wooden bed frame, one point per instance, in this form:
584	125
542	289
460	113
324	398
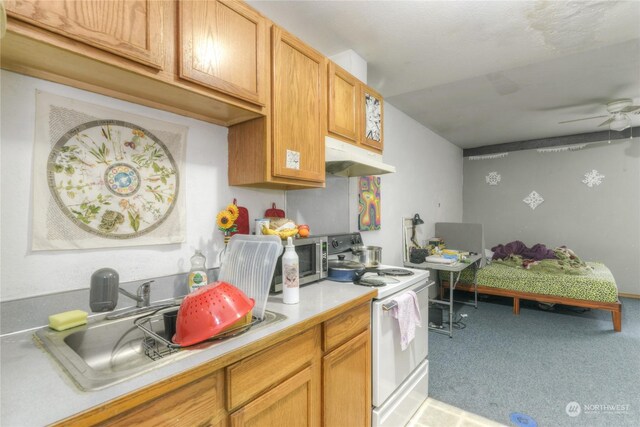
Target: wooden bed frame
614	307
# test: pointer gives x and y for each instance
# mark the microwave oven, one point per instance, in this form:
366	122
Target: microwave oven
312	262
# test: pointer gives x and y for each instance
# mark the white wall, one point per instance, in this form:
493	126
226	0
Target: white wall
25	273
428	181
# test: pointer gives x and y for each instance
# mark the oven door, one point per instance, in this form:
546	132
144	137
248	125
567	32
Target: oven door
390	365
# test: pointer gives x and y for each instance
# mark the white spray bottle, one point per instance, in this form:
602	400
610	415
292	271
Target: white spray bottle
290	274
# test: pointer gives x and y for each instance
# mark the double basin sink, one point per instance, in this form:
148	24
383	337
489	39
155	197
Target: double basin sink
106	352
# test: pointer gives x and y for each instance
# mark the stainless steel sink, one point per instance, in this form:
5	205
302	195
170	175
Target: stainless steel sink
106	352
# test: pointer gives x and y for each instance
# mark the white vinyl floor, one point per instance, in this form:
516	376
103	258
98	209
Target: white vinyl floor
434	413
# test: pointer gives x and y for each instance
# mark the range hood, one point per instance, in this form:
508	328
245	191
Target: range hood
344	159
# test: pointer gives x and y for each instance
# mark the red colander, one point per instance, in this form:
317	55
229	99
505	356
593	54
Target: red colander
208	311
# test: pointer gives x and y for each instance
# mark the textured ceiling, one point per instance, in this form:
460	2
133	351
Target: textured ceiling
483	72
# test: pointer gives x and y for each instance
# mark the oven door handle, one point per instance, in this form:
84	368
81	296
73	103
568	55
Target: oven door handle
389	306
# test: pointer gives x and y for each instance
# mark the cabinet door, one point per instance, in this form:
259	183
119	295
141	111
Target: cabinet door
129	28
223	47
372	110
347	383
343	103
290	404
299	87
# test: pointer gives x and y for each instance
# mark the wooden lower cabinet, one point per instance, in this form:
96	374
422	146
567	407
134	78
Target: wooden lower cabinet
200	403
346	399
320	375
290	404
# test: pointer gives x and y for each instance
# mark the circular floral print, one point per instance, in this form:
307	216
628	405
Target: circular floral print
113	178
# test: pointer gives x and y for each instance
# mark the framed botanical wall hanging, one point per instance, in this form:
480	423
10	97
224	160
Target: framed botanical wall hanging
104	178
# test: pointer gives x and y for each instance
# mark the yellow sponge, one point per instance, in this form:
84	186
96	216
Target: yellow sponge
67	320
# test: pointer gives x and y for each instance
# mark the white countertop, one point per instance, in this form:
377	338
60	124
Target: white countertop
36	391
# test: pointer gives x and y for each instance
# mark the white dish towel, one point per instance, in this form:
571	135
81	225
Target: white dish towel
407	311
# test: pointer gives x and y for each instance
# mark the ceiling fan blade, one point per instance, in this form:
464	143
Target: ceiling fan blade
630	108
606	122
586	118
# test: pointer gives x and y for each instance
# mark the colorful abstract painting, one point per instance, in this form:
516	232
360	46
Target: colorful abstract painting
369	203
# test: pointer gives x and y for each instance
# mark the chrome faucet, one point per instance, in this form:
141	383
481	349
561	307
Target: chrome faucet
104	291
142	299
142	296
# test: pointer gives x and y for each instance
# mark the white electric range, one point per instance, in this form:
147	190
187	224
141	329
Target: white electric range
400	379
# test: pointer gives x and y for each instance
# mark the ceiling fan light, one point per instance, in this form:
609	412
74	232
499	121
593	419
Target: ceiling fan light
620	123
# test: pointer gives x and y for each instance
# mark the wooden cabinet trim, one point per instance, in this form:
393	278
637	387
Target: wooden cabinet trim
188	53
345	326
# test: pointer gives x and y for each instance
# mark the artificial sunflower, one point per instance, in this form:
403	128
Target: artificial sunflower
224	221
233	210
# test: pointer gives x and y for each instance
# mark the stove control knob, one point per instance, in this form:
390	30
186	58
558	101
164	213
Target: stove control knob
354	240
334	243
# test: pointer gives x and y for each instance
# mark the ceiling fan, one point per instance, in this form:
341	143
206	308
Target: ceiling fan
618	117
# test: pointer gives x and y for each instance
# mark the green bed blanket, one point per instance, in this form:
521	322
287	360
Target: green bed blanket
597	285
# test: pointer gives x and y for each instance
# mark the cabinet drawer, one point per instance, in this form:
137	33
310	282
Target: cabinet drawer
253	375
345	326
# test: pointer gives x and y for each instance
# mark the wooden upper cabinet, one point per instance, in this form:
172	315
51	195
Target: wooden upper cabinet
223	47
343	104
298	108
132	29
372	116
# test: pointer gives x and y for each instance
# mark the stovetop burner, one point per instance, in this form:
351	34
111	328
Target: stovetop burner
391	271
375	281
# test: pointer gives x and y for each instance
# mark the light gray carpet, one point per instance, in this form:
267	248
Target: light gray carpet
538	362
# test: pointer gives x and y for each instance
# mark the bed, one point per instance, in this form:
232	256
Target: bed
595	289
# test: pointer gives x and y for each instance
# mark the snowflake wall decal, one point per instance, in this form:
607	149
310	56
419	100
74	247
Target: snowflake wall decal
493	178
592	178
533	200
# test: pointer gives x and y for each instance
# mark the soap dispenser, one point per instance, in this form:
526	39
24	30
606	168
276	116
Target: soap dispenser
290	274
198	272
